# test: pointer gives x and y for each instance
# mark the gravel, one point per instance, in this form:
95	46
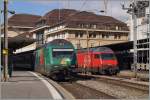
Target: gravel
83	92
115	90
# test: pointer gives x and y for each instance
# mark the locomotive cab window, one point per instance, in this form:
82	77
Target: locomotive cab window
97	56
58	53
107	56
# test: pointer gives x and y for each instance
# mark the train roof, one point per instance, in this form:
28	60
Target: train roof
96	49
57	42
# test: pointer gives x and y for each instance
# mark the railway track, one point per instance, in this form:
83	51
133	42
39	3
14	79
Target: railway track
101	87
80	91
141	86
117	87
69	89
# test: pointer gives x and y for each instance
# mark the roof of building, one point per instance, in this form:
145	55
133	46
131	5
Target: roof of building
56	15
71	16
23	20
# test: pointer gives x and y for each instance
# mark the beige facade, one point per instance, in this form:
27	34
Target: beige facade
82	38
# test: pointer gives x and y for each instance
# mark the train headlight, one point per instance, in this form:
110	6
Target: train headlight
56	66
72	66
66	61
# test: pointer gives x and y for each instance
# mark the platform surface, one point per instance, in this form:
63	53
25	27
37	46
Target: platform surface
26	85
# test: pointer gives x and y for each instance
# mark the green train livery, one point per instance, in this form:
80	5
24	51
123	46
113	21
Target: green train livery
56	59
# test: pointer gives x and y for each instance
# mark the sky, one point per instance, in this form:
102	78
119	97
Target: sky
40	7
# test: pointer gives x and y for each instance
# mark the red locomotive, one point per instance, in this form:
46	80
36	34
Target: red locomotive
101	60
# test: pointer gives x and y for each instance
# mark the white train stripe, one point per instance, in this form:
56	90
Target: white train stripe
55	94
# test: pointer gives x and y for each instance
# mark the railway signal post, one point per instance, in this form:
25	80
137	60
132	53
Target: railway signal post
133	11
136	9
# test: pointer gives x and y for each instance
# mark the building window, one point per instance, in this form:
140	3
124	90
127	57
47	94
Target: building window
94	26
120	28
40	38
94	35
117	27
76	35
90	35
79	35
117	36
108	27
78	45
81	25
103	36
107	36
87	25
63	35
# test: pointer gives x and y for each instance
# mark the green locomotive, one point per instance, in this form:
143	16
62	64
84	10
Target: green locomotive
56	59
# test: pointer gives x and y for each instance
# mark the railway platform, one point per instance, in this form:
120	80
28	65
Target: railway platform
28	85
142	75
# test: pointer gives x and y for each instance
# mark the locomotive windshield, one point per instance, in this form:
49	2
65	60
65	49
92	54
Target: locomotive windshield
59	53
107	56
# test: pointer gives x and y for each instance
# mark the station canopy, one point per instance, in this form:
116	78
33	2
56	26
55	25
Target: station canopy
121	46
18	41
128	45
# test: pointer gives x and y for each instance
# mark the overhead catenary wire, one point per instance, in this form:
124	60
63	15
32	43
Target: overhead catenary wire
84	3
105	6
58	10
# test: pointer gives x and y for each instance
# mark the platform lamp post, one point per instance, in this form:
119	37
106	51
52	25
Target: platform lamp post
5	49
88	56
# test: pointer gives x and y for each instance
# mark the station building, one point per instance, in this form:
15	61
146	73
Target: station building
82	28
19	26
18	30
20	23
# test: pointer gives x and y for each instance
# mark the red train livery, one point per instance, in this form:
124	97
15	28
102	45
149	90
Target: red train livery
99	60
